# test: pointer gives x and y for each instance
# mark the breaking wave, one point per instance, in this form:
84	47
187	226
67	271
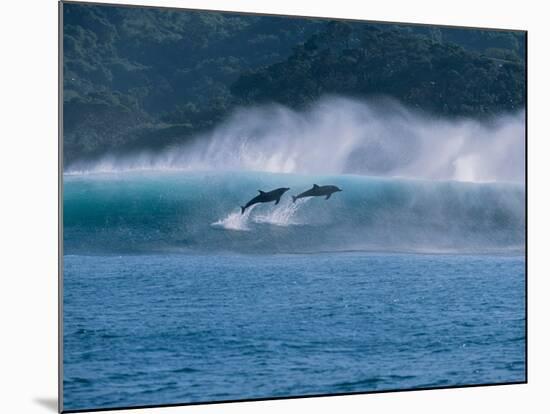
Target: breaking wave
177	211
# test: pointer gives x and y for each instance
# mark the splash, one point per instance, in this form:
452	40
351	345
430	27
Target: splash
285	215
344	136
235	221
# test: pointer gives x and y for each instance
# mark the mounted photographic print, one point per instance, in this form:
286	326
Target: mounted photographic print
260	206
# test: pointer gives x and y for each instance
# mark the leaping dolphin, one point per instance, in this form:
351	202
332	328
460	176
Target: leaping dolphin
318	191
266	197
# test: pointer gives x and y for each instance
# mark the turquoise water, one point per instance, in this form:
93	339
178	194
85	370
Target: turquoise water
170	297
175	212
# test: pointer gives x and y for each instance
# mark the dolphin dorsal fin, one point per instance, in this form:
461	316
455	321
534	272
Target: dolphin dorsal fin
261	192
315	186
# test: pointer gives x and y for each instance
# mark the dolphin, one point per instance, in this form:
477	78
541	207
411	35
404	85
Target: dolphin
318	191
266	197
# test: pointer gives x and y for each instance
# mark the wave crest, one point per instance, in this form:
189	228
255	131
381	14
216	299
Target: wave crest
158	212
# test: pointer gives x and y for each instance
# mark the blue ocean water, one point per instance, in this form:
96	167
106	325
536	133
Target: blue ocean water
163	329
170	296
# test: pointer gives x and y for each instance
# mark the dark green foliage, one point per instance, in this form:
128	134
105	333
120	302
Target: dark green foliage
145	78
360	60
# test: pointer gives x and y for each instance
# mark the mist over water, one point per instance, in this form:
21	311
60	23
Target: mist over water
344	136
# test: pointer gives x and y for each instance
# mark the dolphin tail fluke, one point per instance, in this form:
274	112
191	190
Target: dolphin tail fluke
243	209
294	199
